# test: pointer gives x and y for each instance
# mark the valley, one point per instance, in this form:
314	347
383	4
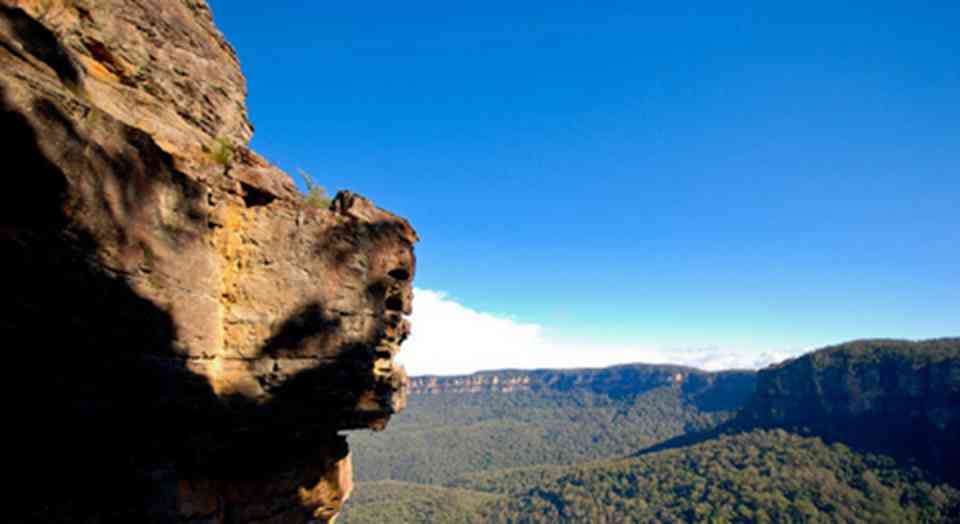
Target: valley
648	443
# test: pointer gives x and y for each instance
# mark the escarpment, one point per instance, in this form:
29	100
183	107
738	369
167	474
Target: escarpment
895	397
709	390
188	335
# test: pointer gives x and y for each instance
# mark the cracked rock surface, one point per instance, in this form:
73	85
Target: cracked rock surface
189	335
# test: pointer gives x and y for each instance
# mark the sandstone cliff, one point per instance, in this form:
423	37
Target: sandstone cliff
892	396
710	391
188	336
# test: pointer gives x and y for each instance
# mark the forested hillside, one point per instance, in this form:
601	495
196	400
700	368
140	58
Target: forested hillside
895	397
583	448
761	476
559	417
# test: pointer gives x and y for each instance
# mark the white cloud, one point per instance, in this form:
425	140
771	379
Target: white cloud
450	338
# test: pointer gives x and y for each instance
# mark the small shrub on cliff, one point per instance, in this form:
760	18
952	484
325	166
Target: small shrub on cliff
316	194
223	152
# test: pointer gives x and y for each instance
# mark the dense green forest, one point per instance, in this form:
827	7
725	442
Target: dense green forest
860	432
442	436
395	501
760	476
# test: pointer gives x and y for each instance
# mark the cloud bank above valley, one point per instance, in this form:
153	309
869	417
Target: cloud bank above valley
449	338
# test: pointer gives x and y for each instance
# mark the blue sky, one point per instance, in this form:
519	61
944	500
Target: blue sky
689	178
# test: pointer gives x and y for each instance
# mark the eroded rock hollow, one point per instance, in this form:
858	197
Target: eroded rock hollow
188	336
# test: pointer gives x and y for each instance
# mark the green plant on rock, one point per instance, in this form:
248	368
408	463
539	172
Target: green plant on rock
223	152
316	194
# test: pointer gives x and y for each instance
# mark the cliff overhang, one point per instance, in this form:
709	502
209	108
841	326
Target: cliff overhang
203	333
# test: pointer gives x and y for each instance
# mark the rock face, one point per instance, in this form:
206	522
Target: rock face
197	334
708	390
896	397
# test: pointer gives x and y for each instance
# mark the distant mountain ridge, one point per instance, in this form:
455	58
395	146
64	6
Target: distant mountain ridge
616	381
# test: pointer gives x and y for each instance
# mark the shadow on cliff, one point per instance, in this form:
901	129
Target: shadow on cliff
106	406
40	43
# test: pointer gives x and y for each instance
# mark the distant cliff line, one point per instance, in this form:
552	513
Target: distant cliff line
624	378
619	376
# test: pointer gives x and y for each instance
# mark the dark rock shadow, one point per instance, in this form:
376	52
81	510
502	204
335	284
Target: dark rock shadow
40	43
99	397
104	403
309	323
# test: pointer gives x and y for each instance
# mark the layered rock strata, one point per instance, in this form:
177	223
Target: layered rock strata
726	388
186	330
